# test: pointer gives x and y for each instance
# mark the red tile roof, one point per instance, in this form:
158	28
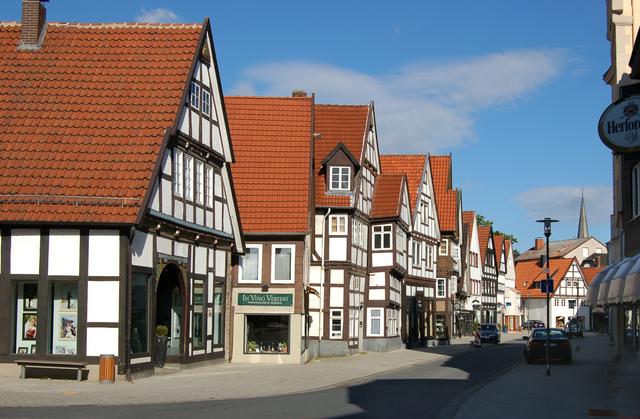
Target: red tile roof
336	124
82	120
411	165
484	232
590	273
446	198
507	247
272	145
387	196
529	271
468	217
498	240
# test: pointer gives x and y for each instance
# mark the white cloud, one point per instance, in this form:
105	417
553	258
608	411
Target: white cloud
158	15
563	203
424	106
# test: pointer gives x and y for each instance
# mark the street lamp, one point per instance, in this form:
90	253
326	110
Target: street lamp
547	232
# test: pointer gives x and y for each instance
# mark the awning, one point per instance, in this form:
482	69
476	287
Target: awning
592	291
631	292
603	290
616	287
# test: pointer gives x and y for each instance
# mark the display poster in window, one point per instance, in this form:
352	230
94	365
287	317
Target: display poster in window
64	337
30	297
30	328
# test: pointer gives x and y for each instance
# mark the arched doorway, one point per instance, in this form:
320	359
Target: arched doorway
169	307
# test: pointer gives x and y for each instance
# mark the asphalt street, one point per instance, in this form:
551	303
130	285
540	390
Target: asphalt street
432	390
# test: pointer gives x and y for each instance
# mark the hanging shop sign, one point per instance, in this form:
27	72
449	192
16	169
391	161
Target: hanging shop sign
265	299
619	125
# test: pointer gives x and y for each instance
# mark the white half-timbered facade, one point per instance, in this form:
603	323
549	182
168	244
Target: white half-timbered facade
489	275
473	267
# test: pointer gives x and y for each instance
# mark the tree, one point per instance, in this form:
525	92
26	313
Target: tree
485	222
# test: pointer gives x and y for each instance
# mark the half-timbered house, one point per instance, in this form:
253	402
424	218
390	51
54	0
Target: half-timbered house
473	270
489	275
117	207
501	270
272	173
512	301
346	164
418	305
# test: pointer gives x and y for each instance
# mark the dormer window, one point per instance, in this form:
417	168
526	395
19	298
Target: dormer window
341	178
195	95
206	102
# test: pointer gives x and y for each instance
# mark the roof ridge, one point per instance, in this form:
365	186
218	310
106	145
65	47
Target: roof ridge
403	155
126	25
342	105
265	97
9	23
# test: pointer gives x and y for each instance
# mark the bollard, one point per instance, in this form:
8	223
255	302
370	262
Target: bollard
107	369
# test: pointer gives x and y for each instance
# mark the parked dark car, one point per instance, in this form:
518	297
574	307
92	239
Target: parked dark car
559	346
532	324
489	333
573	330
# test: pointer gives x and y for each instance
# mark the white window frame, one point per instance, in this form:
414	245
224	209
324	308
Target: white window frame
425	213
442	281
188	177
340	171
335	314
585	252
417	253
635	191
205	103
444	242
250	281
273	263
209	187
380	317
199	181
339	219
178	183
382	232
195	95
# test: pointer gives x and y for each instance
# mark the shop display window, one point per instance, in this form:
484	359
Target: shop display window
140	313
267	334
64	318
218	313
26	317
198	314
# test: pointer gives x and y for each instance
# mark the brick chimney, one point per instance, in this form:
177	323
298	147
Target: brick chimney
33	22
538	244
298	93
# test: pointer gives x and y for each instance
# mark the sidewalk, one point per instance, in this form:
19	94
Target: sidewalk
592	386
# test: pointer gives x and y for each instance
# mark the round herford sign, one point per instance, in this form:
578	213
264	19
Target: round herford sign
619	125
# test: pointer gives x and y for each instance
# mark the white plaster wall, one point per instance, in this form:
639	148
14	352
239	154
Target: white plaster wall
166	163
104	253
314	327
206	132
102	340
319	246
163	245
382	259
337	276
64	252
178	210
103	301
181	249
315	275
377	279
167	197
195	126
319	224
189	212
338	248
336	297
200	216
221	263
314	301
183	126
377	294
142	249
201	260
155	197
217	215
25	251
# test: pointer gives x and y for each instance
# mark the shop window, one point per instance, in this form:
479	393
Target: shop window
251	263
374	325
197	322
382	237
440	288
64	319
282	262
336	324
218	313
267	334
26	317
338	224
140	313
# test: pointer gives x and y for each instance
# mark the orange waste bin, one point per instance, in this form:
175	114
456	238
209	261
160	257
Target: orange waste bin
107	369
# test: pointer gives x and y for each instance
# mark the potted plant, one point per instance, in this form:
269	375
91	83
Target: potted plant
252	346
160	355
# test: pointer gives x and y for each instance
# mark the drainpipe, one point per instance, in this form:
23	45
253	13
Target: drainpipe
322	279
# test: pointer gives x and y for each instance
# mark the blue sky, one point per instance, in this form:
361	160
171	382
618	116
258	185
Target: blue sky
512	89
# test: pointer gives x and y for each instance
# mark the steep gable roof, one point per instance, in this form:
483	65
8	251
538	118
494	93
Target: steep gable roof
446	198
83	120
411	165
498	241
336	124
484	234
528	272
272	144
387	196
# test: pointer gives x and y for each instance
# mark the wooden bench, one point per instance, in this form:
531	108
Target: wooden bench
66	365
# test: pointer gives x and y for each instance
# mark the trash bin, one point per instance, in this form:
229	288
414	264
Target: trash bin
107	369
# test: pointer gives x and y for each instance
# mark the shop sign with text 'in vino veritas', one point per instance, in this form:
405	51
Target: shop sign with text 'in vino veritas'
619	125
264	299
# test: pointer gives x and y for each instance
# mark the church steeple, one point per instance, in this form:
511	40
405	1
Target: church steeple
583	229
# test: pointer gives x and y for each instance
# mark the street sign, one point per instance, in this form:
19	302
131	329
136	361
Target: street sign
544	285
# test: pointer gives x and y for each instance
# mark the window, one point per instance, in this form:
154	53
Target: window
444	247
585	252
429	257
64	322
140	313
218	313
392	322
206	102
374	325
382	237
26	317
188	177
199	182
198	314
177	172
250	264
282	262
267	334
209	189
417	253
440	288
635	191
598	250
456	251
341	178
425	213
195	95
336	324
338	224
